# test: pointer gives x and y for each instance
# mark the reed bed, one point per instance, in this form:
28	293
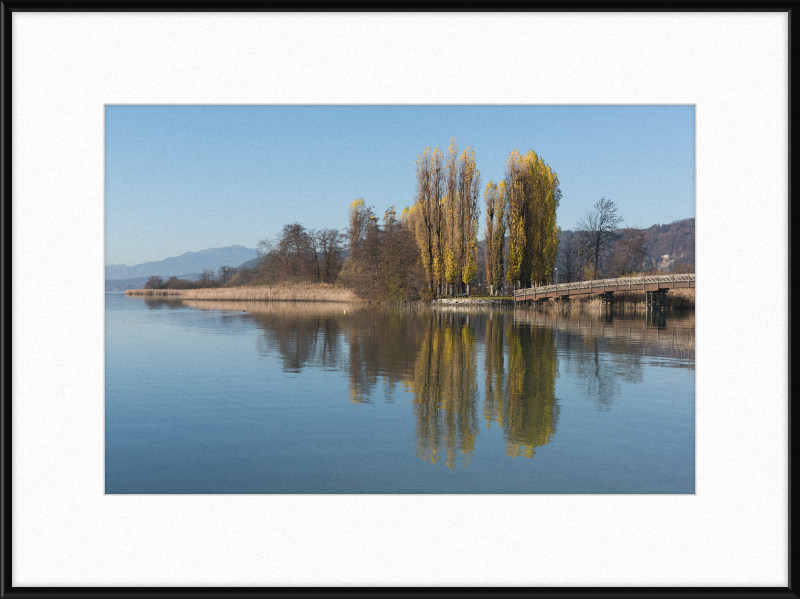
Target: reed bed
286	292
292	309
154	292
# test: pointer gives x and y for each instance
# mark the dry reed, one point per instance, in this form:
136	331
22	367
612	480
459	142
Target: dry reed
277	308
303	292
155	292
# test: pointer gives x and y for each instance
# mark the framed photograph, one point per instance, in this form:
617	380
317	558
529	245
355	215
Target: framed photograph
387	293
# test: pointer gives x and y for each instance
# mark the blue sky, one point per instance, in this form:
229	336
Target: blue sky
186	178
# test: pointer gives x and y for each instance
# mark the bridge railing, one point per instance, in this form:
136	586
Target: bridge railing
607	283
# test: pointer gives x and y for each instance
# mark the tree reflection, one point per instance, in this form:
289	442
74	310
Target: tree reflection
300	342
163	304
382	344
435	356
603	350
446	391
494	365
520	367
530	407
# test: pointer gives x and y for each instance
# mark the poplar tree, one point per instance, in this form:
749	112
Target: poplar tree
461	216
452	212
515	216
469	183
499	243
445	215
490	197
542	234
533	195
424	215
494	234
437	193
451	259
358	217
429	217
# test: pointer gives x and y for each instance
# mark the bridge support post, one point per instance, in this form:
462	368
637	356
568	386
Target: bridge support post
661	299
656	300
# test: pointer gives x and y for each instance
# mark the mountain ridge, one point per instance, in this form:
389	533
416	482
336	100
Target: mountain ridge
188	262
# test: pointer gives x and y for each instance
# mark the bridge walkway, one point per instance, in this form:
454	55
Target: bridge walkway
658	285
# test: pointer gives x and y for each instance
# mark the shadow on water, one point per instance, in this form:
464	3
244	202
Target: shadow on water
443	356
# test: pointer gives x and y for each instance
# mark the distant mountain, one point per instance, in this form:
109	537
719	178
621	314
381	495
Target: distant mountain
190	262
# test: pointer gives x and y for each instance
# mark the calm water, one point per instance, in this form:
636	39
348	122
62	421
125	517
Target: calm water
222	397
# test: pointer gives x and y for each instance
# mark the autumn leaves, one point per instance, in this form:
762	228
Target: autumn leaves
445	217
445	220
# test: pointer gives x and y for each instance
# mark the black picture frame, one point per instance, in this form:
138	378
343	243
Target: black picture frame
9	7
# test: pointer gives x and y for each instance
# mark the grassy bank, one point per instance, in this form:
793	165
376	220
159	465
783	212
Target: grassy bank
317	292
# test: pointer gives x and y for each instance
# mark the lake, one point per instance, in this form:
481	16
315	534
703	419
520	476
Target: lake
293	397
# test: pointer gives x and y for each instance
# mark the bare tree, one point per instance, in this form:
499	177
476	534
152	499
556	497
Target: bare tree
572	258
628	255
292	255
207	277
389	266
154	283
246	275
599	229
359	216
680	267
330	244
225	274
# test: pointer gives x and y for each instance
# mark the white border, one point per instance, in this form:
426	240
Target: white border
67	66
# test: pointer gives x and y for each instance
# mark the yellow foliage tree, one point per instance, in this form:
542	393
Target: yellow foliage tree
533	195
461	216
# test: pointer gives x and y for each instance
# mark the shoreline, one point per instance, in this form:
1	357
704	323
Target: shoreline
679	299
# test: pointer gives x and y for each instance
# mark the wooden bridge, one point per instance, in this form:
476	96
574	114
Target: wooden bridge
655	286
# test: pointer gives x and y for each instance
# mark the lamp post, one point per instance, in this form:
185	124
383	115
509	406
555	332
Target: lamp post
556	270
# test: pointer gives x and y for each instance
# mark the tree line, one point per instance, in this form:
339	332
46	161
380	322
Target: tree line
431	248
224	277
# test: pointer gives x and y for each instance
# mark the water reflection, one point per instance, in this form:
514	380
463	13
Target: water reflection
445	390
468	370
603	350
531	411
163	304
